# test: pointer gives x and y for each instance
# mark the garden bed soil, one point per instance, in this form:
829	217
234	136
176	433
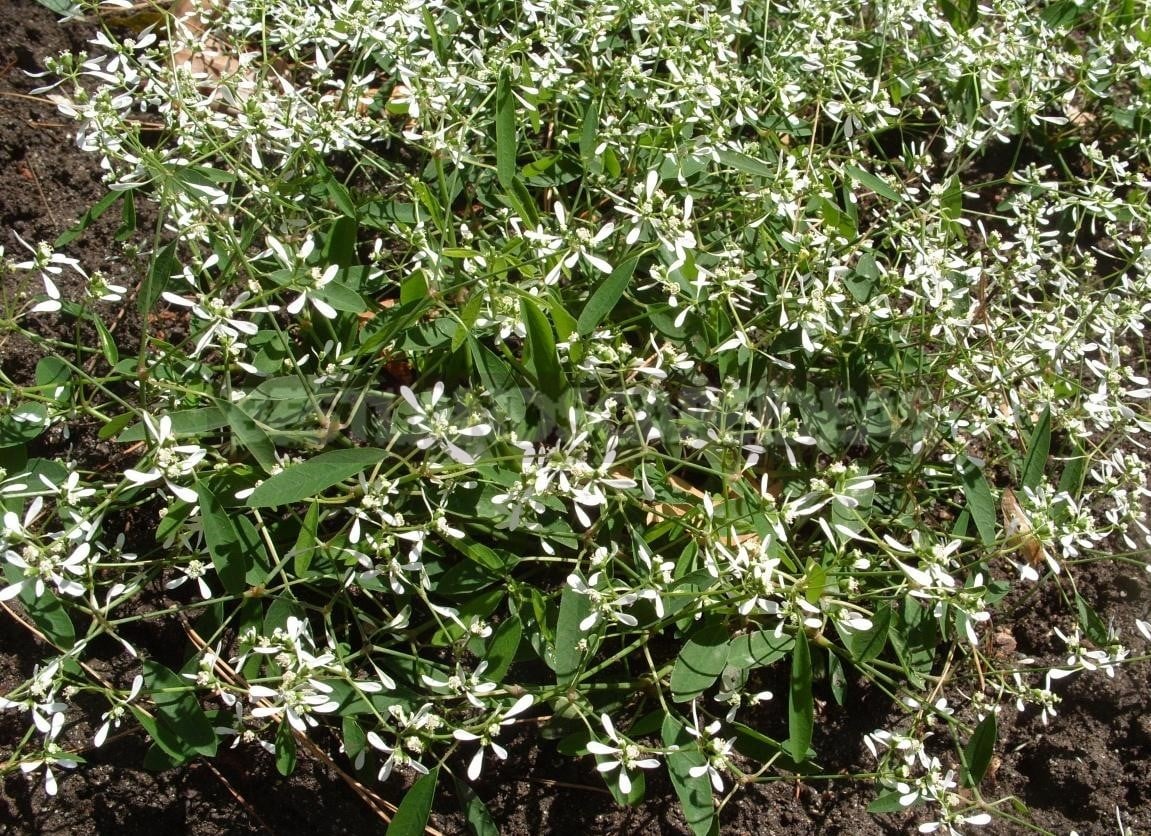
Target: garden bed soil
1092	760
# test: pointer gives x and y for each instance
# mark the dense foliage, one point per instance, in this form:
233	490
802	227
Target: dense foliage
582	367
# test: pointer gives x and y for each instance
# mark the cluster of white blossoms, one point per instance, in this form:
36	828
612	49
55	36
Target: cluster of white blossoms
532	330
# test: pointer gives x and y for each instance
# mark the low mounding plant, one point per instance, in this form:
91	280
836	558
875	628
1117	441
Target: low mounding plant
583	368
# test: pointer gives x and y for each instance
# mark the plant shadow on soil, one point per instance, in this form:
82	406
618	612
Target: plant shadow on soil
1094	758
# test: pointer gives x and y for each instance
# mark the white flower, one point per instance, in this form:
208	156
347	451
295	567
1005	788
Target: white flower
170	461
114	715
437	426
624	755
488	734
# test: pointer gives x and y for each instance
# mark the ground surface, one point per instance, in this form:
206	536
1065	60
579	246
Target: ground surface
1095	756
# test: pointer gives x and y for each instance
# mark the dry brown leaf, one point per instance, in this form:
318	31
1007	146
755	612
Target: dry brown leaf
1020	534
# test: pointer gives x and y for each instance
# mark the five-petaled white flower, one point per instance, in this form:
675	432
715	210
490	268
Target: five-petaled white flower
624	755
488	734
170	461
437	426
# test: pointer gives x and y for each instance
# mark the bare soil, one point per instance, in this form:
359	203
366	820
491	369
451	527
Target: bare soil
1094	758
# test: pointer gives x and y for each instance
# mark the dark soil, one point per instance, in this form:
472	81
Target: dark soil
1092	760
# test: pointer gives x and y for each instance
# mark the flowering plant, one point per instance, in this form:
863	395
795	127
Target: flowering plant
583	366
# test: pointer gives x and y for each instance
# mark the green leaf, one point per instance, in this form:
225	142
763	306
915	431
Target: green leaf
888	802
605	297
285	750
1074	472
800	705
127	218
306	541
914	636
758	746
412	815
747	165
341	297
865	645
105	338
1038	449
230	554
501	649
700	662
589	134
194	422
506	142
1091	624
541	357
46	611
250	436
180	726
695	794
574	608
163	266
317	474
53	376
115	425
103	204
475	812
977	754
871	181
837	678
980	501
758	649
33	421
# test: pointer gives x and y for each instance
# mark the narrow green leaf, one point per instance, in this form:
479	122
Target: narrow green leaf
605	297
800	705
574	608
229	554
1074	472
501	649
589	134
412	815
541	358
193	422
306	541
1038	449
1091	624
980	501
506	142
871	181
837	678
103	204
46	611
156	281
127	218
115	425
106	340
317	474
914	635
758	746
468	318
977	754
285	750
748	165
700	662
181	728
250	436
888	802
695	794
475	812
